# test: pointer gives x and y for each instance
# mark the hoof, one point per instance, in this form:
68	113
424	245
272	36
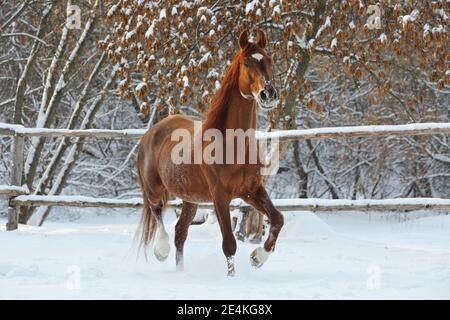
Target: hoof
162	246
258	257
231	273
162	250
160	256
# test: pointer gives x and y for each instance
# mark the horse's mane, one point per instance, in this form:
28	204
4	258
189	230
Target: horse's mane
217	112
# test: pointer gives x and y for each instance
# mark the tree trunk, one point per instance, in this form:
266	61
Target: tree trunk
48	110
65	142
74	152
302	175
330	185
21	84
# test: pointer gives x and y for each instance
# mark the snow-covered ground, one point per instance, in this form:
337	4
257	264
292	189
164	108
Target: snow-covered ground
344	256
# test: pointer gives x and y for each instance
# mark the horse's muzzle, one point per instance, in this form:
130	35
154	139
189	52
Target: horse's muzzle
268	98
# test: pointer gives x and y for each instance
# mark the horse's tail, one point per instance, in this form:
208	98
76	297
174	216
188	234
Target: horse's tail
147	225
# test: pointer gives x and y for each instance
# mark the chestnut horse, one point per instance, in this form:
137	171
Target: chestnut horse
246	84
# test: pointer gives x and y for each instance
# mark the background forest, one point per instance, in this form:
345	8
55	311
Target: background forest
130	62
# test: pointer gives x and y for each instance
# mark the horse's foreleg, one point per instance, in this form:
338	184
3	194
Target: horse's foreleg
181	230
228	241
260	200
222	206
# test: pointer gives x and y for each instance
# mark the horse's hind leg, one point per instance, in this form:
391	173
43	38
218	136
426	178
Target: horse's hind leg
181	230
161	247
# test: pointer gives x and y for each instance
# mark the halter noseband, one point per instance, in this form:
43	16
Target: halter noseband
267	86
246	95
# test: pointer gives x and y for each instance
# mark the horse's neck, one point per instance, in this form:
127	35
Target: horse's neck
241	113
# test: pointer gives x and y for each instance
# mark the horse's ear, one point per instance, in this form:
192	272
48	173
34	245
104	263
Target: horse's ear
261	38
243	39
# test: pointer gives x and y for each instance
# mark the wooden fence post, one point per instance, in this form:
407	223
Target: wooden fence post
17	146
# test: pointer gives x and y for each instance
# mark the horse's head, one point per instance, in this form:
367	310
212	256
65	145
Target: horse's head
255	71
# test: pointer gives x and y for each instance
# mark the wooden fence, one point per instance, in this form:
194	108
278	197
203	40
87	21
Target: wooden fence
18	195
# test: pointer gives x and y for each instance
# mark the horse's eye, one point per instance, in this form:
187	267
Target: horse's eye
246	64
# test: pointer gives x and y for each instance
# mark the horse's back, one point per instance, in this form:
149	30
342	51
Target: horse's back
160	172
161	132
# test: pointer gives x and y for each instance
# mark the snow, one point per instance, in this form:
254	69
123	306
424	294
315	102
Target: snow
439	29
326	25
251	6
442	157
185	81
130	34
382	38
61	84
201	11
213	74
333	43
141	86
162	14
324	256
127	11
151	30
426	30
206	57
213	22
112	10
409	17
277	9
16	189
442	13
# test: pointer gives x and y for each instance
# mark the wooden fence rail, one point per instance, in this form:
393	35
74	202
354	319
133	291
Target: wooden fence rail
13	191
18	195
281	204
414	129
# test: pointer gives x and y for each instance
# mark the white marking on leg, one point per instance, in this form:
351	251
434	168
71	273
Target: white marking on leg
230	266
162	246
180	262
259	256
